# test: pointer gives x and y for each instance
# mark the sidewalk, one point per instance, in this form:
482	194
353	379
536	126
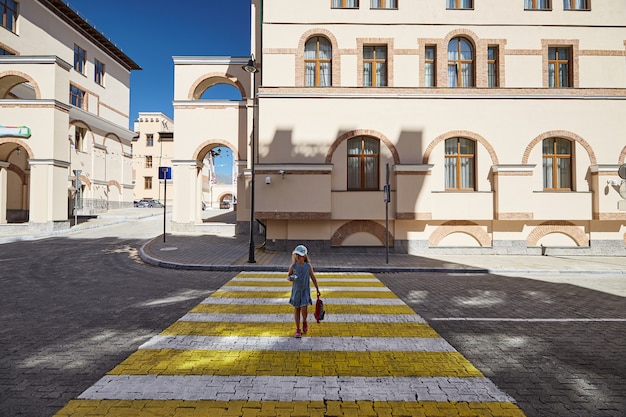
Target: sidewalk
220	249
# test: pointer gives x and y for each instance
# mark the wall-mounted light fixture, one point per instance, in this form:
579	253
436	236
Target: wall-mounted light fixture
282	173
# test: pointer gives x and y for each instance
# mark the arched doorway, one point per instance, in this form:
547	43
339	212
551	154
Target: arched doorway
14	180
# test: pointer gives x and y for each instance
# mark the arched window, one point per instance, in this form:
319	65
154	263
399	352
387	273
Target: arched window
460	63
557	164
318	54
460	164
363	156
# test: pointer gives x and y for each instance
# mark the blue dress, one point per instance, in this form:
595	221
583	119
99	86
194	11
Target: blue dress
300	287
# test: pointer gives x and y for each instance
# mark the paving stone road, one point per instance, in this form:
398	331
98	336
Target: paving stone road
77	307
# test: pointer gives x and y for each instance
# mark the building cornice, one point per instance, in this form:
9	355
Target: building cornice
73	19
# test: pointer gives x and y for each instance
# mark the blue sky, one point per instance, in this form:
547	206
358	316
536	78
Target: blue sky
151	32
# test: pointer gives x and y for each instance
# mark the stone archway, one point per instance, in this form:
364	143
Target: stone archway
460	226
14	180
360	226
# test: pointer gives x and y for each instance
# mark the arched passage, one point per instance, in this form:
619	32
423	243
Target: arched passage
14	180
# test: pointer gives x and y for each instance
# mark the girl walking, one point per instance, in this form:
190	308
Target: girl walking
300	272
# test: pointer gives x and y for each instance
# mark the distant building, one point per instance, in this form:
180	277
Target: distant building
501	124
67	88
153	148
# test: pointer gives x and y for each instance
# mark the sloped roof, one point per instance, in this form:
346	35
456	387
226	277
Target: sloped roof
72	18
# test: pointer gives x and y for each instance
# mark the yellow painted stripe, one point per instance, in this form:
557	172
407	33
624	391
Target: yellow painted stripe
317	275
323	329
286	308
151	408
287	294
291	363
322	284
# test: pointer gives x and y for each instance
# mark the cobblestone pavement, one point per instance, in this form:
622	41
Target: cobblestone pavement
545	332
234	354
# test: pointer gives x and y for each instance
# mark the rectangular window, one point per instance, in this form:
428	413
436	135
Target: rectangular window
147	183
98	76
460	164
537	4
345	4
383	4
77	96
80	59
363	156
576	5
148	163
375	66
430	66
557	164
149	139
460	4
559	67
79	137
9	14
492	67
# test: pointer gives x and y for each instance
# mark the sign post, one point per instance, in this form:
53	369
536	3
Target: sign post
77	186
387	191
165	173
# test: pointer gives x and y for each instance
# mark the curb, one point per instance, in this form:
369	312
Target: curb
371	269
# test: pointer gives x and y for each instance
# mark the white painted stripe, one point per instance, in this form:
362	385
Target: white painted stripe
538	320
319	279
286	318
350	344
294	388
327	301
288	288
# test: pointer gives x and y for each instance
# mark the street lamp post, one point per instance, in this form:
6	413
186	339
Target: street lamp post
251	68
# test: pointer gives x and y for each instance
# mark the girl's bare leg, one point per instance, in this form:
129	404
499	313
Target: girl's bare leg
305	314
296	316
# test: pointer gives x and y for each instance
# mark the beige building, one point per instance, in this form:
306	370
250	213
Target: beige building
64	104
153	148
500	122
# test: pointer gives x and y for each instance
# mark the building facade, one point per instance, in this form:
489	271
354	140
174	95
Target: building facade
474	126
500	123
153	148
65	145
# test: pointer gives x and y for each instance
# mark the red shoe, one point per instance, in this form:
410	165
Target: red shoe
298	335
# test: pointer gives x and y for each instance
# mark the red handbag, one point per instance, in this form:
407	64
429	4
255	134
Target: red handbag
319	310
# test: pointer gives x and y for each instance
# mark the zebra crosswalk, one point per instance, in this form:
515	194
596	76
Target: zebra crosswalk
235	355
